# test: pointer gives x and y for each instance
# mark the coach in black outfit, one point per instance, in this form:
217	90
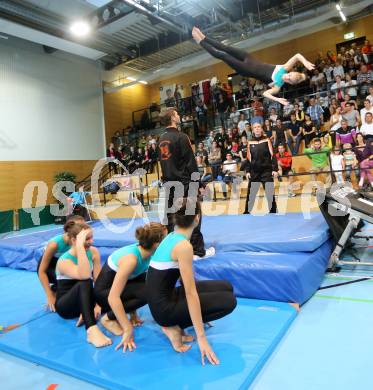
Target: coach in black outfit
179	164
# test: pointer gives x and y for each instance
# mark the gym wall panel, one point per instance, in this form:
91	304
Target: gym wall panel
15	175
118	107
51	105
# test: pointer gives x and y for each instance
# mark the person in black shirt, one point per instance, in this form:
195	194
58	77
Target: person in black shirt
261	168
242	150
222	108
178	164
295	132
221	138
202	152
279	134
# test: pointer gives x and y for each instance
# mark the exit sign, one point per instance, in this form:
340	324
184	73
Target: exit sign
349	35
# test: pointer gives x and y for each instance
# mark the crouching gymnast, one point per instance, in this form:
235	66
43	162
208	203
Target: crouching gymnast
192	303
248	66
120	287
75	295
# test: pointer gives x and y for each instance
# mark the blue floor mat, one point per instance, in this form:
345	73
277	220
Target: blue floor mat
22	298
228	233
285	277
243	341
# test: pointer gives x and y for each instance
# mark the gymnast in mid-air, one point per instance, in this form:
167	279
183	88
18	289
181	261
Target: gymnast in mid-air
248	66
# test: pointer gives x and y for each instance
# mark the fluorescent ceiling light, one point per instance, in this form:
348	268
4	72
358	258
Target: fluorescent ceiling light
131	78
342	15
338	7
80	28
143	82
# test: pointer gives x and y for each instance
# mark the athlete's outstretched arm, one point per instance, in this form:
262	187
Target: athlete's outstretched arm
273	91
298	58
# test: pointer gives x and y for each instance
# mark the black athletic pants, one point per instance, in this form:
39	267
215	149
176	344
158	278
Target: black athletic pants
51	272
196	239
252	190
240	60
216	298
132	297
75	297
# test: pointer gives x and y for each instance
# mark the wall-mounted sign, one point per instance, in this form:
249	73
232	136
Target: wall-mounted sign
349	35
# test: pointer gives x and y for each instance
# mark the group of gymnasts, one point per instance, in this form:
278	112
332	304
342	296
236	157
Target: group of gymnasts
146	272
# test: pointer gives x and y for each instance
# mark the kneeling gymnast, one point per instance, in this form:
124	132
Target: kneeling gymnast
120	287
193	303
75	295
46	268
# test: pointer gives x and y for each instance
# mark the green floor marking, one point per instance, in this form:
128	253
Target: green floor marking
344	298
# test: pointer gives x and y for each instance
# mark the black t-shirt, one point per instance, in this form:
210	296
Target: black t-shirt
280	134
222	106
243	149
294	127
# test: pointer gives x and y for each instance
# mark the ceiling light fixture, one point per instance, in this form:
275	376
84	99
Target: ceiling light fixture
131	78
80	28
143	82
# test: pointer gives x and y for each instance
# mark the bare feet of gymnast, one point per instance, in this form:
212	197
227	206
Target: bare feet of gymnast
111	325
97	338
175	334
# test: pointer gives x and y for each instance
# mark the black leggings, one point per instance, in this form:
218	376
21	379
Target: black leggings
240	60
75	297
132	297
252	190
216	298
51	272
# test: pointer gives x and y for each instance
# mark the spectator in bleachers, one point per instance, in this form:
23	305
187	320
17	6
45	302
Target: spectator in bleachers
112	154
316	112
364	80
309	130
295	132
153	157
319	158
202	152
338	70
370	96
366	128
351	163
268	129
345	134
222	108
366	164
209	140
335	122
368	107
215	159
299	113
273	115
221	137
257	106
318	81
242	124
338	88
234	150
257	118
234	116
331	56
204	170
287	110
351	115
241	97
285	162
367	48
242	150
352	88
229	169
337	164
201	113
279	134
328	72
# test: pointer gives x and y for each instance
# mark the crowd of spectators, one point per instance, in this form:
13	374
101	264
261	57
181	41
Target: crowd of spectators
336	115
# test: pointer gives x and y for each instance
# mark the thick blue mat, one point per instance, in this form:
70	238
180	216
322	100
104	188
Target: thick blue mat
243	341
286	277
21	297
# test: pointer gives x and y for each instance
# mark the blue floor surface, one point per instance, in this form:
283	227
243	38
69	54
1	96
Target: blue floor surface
58	344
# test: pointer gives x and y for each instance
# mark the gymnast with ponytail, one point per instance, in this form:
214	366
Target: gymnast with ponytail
248	66
120	287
